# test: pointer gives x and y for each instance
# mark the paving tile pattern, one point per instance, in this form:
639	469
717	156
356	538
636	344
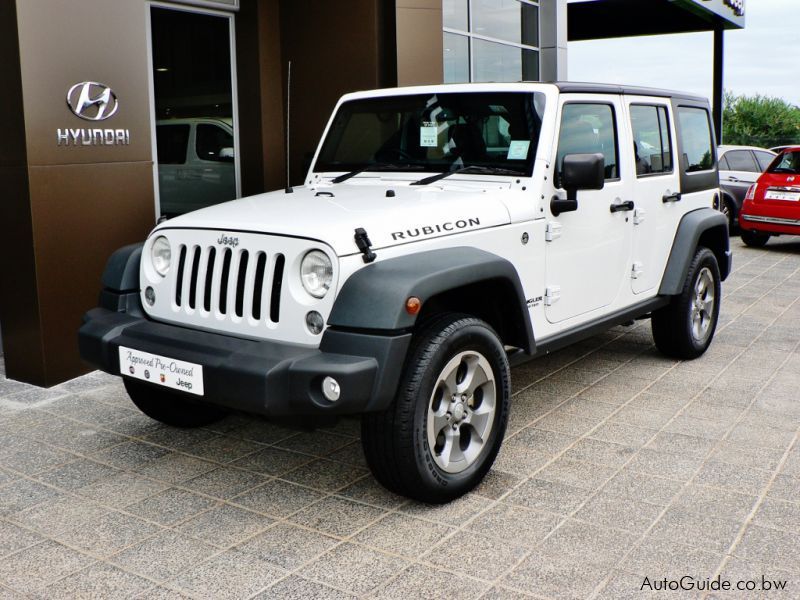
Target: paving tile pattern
618	464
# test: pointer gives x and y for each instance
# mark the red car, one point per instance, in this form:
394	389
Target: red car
772	205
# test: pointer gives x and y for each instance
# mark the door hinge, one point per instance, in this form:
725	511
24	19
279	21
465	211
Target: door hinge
552	231
637	270
552	294
638	216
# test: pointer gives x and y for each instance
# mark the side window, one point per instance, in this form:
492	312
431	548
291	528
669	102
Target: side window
695	139
213	143
742	160
764	159
723	164
171	144
589	129
652	144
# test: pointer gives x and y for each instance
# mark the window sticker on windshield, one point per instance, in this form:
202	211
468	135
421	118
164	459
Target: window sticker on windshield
428	135
518	150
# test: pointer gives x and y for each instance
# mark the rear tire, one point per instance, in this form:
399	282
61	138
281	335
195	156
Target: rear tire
726	207
684	328
171	408
755	239
442	433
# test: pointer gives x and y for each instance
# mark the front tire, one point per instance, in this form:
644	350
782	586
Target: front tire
443	431
170	407
755	239
684	329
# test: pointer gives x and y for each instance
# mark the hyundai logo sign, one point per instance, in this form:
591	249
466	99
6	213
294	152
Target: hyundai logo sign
92	101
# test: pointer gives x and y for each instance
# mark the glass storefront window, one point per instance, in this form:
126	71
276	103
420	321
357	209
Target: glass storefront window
500	62
456	58
508	20
455	14
491	40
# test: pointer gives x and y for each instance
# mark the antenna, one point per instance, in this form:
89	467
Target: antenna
289	189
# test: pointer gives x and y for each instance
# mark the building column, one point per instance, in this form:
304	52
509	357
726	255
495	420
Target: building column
719	81
553	40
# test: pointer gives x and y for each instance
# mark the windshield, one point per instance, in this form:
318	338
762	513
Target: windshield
435	133
788	162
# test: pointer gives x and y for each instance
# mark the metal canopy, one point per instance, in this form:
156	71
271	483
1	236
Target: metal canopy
599	19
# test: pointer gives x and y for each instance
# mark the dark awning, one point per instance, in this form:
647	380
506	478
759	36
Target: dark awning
598	19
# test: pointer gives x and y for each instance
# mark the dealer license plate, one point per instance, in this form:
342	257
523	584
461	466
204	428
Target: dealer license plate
779	195
161	370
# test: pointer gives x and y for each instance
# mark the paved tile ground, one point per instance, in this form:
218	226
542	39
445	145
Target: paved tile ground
618	464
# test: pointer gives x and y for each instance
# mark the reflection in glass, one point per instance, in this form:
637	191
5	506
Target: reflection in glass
456	58
455	14
194	109
508	20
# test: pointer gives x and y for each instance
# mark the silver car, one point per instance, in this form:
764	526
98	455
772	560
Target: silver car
195	163
739	168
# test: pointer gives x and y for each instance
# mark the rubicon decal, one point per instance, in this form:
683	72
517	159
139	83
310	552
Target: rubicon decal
427	230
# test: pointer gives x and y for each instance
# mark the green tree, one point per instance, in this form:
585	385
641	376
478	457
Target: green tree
760	121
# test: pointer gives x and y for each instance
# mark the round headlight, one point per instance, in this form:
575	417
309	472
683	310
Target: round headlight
316	273
161	255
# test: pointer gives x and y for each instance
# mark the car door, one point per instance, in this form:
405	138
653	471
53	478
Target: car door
172	142
654	220
742	172
588	250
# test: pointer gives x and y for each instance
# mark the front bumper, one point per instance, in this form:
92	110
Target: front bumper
262	377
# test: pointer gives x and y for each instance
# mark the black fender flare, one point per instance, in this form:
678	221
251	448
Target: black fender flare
374	297
704	224
122	269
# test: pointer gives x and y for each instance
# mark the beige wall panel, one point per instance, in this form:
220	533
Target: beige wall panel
64	42
419	46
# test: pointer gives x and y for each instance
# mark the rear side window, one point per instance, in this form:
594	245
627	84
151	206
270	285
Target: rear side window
589	129
171	143
742	160
214	143
788	162
652	145
764	159
695	139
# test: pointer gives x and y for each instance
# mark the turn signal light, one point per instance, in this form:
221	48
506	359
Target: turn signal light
413	305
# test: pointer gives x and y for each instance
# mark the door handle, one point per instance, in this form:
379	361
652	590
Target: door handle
733	179
622	206
676	197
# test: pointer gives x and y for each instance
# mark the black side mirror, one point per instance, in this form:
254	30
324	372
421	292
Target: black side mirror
579	172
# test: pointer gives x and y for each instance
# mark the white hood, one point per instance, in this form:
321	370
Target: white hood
332	213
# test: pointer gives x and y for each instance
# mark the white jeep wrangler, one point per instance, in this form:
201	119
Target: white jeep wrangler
442	232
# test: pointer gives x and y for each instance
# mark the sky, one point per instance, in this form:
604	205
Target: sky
763	58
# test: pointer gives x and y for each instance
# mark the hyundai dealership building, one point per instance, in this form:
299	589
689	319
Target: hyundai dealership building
116	112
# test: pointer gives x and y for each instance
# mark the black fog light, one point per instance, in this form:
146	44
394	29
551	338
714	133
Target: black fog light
150	296
315	322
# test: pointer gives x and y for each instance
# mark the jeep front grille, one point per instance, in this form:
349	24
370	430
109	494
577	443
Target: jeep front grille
245	286
242	284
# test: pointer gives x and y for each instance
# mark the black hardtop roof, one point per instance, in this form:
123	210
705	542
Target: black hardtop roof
575	87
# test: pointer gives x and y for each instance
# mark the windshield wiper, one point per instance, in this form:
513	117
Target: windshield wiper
378	166
473	169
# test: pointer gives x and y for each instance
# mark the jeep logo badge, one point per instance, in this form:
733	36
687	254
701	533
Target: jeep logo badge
224	240
92	101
